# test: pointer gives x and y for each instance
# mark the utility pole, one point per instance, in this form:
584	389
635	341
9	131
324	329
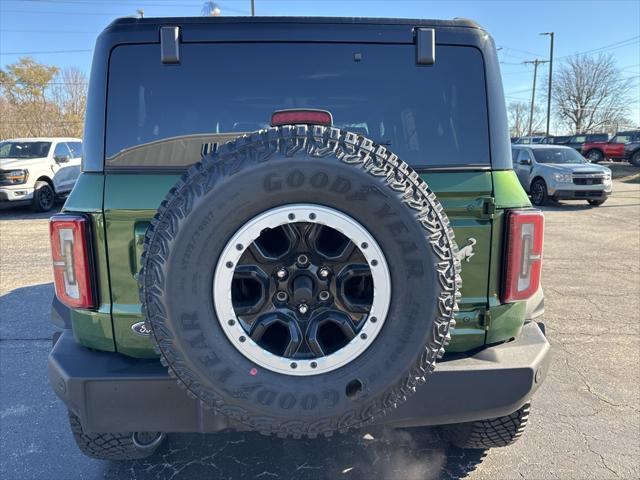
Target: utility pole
535	63
253	8
551	35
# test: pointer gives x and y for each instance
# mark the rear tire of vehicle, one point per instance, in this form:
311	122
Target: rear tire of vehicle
595	156
596	203
115	446
43	197
635	159
539	194
491	433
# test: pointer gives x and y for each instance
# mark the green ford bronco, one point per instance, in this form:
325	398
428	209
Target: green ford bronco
262	236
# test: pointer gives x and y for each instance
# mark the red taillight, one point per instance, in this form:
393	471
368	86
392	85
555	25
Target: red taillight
72	272
525	231
286	117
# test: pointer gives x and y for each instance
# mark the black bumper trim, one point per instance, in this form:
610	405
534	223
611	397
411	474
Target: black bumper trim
112	392
581	194
60	313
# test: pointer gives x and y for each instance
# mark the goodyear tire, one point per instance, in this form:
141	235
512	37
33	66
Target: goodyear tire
115	446
299	168
490	433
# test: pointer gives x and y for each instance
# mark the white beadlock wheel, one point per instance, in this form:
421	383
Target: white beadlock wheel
312	214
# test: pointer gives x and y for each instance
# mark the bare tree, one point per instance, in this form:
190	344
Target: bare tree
210	9
591	94
518	113
69	94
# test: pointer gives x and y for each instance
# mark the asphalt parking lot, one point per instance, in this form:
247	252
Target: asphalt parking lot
585	421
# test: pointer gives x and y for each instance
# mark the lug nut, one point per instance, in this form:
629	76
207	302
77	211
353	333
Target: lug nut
302	261
281	296
281	273
323	272
303	308
323	295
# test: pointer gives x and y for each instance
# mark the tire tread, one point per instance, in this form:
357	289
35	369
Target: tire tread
490	433
349	148
106	446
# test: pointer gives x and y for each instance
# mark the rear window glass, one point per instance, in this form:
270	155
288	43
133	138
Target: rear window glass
170	115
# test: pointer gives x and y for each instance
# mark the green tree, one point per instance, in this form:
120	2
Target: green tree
28	111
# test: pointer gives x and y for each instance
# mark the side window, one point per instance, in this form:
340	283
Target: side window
62	150
624	138
523	155
76	149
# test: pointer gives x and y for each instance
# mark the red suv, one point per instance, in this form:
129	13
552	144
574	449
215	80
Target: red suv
613	149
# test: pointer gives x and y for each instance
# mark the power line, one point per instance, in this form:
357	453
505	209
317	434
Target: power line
44	31
522	51
612	46
31	12
139	3
519	72
91	2
45	52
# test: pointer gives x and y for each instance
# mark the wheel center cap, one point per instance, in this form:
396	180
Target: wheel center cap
302	289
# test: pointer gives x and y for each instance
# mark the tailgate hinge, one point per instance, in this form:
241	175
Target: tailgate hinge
484	319
425	46
483	207
170	45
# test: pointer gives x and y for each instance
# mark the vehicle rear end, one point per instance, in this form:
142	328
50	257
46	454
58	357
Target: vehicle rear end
165	93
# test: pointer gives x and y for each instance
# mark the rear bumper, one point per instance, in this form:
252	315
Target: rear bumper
111	392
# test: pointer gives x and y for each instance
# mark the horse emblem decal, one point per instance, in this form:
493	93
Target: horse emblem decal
465	253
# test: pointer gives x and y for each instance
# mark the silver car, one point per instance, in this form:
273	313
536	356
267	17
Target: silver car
552	172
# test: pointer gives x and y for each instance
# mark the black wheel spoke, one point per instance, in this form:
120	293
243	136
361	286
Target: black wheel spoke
354	288
278	332
329	331
274	244
302	291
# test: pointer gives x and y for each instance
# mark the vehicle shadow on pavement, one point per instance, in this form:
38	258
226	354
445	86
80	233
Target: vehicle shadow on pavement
402	454
25	213
558	207
24	313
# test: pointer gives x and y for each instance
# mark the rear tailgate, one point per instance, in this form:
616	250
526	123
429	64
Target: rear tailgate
162	114
131	201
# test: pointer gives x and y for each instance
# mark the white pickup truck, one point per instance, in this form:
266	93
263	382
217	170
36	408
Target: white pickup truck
37	170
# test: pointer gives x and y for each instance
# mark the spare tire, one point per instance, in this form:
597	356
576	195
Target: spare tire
300	280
